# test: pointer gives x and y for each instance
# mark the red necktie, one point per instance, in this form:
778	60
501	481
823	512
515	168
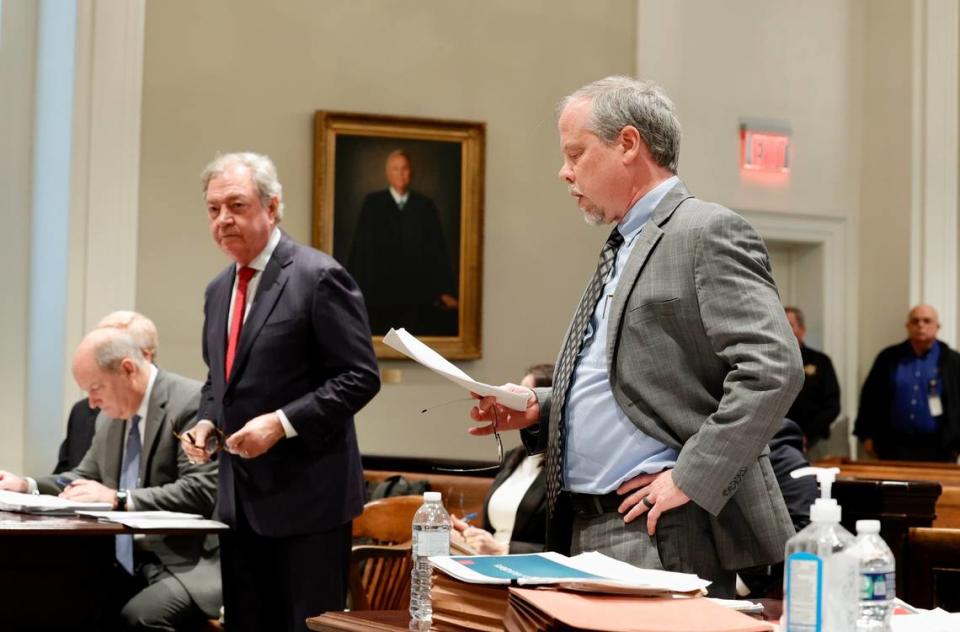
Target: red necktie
236	323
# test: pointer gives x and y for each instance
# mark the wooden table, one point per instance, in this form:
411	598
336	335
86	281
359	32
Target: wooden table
379	620
55	571
398	620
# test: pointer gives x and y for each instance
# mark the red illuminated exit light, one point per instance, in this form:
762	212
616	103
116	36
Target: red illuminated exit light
764	147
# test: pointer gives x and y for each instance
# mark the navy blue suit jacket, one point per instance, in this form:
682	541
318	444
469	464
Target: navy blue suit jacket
305	348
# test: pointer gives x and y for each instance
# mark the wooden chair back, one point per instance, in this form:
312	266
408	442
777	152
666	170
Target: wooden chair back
933	569
380	569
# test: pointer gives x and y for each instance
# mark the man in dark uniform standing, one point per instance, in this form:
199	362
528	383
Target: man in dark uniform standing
818	403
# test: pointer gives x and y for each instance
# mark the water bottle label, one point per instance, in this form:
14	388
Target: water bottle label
432	543
803	592
877	586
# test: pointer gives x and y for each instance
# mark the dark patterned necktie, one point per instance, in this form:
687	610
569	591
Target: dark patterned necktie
568	361
129	479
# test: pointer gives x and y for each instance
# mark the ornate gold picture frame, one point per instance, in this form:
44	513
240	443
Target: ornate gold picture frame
398	201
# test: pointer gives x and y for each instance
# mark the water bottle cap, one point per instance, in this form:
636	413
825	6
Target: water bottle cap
431	497
868	526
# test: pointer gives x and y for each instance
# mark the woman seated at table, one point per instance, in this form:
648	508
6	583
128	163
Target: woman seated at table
515	509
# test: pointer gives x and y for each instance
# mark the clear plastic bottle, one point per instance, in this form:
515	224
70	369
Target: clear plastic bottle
431	536
878	578
820	572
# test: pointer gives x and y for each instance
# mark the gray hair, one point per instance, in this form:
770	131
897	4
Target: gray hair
622	101
141	328
797	313
112	349
262	170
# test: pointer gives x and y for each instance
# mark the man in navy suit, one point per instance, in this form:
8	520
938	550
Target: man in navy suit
290	360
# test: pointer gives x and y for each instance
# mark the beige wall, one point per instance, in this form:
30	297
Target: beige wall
222	76
886	183
840	74
798	62
17	61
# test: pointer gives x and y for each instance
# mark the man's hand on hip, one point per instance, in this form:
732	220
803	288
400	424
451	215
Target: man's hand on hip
256	437
503	418
653	494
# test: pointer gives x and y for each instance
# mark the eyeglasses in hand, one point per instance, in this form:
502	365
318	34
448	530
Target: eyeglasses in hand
496	436
216	440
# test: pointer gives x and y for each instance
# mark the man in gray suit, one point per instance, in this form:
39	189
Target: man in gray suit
135	463
677	369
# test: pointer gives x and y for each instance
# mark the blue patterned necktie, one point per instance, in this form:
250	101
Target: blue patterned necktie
129	479
567	362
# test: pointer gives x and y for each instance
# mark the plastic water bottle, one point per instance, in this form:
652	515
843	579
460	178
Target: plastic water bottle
431	536
821	571
878	578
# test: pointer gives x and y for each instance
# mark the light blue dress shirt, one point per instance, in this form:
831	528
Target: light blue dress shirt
603	447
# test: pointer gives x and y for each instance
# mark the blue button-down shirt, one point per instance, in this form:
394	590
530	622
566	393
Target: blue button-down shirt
915	381
603	447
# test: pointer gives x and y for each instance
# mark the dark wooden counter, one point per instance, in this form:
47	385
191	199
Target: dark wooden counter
56	571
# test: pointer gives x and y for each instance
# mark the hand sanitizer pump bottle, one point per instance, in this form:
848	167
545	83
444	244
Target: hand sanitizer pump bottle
821	576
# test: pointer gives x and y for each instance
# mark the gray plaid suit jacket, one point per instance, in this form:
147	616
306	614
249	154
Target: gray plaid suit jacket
702	359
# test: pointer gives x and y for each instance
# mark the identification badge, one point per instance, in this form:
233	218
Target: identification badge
936	406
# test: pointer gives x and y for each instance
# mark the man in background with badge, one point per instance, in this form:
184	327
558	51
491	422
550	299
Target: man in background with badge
910	402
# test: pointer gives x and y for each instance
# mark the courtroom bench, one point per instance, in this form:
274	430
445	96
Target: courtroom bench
462	492
947	474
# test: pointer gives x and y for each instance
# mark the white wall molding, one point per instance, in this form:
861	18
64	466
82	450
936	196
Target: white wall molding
935	202
839	298
106	165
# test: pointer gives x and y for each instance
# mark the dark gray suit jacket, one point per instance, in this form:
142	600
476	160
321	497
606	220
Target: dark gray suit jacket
168	482
702	359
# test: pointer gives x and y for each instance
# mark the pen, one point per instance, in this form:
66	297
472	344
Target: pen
64	482
470	516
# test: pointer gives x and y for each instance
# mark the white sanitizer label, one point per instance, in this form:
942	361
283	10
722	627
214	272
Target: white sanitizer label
804	592
841	580
433	543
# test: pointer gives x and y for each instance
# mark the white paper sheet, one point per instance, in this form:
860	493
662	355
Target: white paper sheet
168	524
44	504
409	346
587	572
145	520
937	620
137	515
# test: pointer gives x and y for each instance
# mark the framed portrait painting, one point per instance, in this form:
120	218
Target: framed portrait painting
398	201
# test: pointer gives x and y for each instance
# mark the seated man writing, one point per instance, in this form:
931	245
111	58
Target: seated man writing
135	463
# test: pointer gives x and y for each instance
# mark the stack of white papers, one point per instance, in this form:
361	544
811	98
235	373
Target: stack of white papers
44	504
146	520
409	346
588	572
937	620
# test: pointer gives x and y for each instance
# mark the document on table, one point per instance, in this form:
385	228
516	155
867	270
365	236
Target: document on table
411	347
587	572
44	504
146	520
936	620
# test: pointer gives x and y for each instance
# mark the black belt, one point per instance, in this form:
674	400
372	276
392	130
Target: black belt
594	504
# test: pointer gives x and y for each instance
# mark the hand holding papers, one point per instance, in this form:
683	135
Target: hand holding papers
409	346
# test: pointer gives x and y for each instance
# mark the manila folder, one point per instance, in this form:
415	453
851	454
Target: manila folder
617	613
